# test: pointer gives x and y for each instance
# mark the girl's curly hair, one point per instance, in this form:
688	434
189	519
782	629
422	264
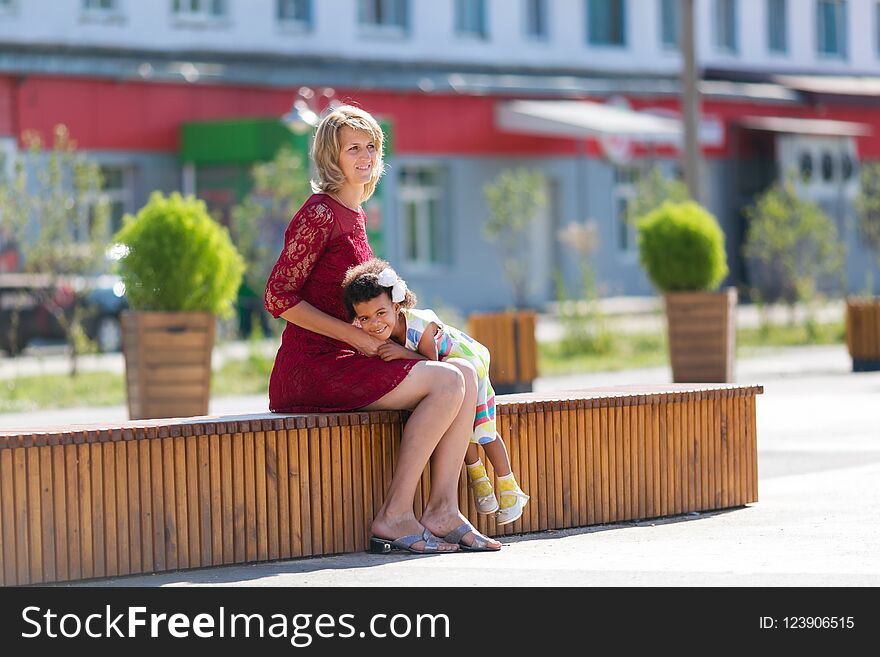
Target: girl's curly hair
361	283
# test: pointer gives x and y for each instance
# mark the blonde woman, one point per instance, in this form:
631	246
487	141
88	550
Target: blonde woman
326	364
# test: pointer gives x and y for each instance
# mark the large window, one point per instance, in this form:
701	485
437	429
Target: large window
383	16
831	27
118	193
724	32
294	13
425	229
670	23
777	26
606	22
101	5
470	18
199	10
536	18
624	191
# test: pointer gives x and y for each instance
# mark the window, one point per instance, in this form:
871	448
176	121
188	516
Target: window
199	10
536	19
383	16
606	22
470	18
100	5
294	13
831	27
725	25
670	22
7	7
117	193
624	191
424	224
777	26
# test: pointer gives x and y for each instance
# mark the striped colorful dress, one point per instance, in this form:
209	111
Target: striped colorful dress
455	343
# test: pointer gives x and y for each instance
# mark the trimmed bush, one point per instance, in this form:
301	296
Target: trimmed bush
681	247
178	258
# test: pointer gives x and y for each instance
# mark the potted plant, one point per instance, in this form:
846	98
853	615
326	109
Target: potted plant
514	199
180	271
863	313
681	247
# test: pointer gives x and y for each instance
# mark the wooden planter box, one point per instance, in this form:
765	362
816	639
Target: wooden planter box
863	333
167	363
510	338
702	335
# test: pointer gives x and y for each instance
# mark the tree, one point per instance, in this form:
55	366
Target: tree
651	190
54	207
258	222
790	246
514	199
867	204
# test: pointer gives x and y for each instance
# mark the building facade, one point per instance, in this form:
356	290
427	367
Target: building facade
467	88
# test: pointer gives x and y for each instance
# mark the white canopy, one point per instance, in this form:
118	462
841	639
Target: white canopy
580	118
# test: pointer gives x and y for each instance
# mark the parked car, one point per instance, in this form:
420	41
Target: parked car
25	315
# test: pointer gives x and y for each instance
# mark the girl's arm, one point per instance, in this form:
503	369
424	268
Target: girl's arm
310	318
427	346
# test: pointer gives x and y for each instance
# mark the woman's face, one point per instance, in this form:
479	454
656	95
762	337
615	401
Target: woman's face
378	316
357	155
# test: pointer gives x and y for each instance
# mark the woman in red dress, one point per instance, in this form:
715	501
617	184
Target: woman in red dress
326	364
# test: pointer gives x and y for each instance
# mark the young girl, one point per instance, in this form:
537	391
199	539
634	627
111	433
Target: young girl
380	304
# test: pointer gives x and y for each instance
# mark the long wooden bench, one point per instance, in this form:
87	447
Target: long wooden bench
156	495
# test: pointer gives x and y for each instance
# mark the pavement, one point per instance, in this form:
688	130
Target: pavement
817	521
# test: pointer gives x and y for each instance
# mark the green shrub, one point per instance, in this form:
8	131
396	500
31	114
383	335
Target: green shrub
178	258
681	247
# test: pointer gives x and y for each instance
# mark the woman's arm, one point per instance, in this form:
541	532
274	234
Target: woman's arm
310	318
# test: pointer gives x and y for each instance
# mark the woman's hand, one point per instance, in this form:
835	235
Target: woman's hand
365	343
390	350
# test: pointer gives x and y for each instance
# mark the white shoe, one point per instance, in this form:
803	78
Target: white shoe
485	504
509	514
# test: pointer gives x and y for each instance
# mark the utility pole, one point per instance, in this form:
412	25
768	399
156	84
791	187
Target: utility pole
690	100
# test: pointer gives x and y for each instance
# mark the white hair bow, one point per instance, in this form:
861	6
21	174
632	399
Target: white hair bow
389	278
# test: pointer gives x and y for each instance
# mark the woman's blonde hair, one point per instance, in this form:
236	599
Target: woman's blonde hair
326	147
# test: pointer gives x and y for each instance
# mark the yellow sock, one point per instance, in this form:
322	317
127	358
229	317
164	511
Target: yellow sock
507	483
477	471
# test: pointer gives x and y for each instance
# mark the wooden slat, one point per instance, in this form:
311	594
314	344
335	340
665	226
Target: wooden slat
58	502
229	499
364	442
558	482
31	475
691	439
348	508
283	488
294	475
146	506
99	547
123	530
239	522
305	490
315	495
157	503
47	515
262	526
561	419
272	496
133	507
621	462
193	502
8	516
111	530
169	480
71	481
204	500
218	519
336	491
642	471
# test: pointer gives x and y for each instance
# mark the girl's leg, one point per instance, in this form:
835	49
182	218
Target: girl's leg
496	452
434	391
442	514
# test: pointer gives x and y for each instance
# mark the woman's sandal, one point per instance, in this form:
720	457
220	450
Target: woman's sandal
485	504
511	513
432	544
480	543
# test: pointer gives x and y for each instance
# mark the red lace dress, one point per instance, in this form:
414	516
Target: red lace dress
314	373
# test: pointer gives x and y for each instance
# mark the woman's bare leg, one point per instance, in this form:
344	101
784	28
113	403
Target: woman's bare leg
442	514
434	391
